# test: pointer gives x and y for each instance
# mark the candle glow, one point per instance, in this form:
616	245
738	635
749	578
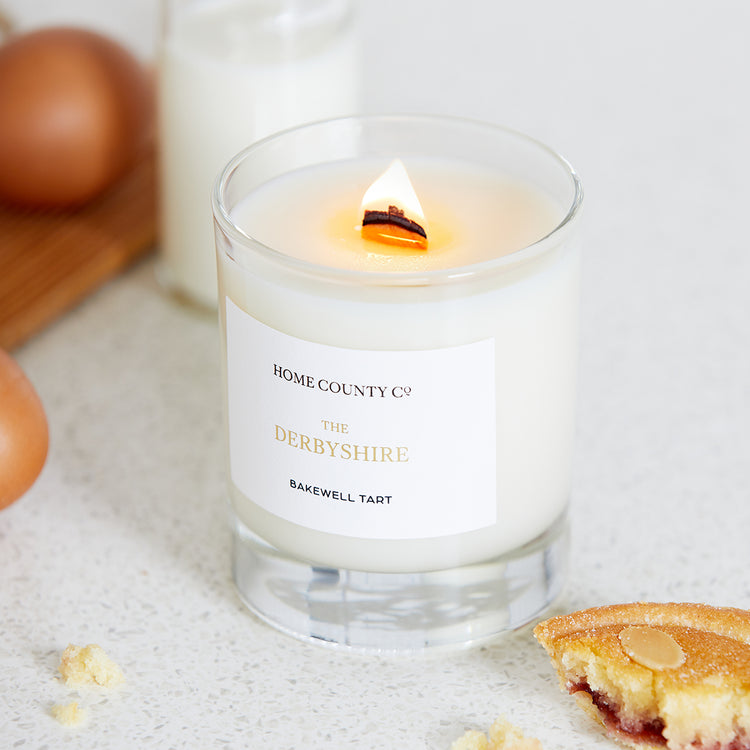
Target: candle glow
391	211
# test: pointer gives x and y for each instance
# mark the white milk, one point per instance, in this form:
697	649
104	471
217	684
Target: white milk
230	74
476	462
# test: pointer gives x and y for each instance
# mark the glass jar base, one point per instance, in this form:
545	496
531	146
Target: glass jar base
399	612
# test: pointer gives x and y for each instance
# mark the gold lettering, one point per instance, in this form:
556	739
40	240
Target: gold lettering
360	453
342	451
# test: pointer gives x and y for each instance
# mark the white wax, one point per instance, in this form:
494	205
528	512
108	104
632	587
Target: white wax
472	213
530	313
232	73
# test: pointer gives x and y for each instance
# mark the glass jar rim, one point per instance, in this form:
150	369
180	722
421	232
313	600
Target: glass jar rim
360	277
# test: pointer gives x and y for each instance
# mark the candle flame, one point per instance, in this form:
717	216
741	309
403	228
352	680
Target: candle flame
391	211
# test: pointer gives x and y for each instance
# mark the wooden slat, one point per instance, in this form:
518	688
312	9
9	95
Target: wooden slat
51	260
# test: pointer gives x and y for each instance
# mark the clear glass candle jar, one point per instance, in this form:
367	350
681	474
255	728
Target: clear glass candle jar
400	423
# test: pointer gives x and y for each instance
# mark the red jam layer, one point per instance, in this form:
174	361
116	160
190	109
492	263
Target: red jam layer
647	732
640	731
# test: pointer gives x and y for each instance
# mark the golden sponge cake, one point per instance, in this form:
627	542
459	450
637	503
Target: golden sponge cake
673	676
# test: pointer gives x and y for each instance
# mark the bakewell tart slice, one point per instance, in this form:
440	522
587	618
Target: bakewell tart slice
673	676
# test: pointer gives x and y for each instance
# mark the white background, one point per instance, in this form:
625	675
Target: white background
123	540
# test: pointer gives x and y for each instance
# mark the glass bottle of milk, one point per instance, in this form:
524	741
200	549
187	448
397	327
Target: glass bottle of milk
232	72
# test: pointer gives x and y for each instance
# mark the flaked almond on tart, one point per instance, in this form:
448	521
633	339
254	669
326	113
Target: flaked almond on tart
673	676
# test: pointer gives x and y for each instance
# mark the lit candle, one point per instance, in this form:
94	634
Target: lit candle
401	406
230	74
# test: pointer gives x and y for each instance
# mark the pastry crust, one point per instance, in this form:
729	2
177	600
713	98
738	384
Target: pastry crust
702	702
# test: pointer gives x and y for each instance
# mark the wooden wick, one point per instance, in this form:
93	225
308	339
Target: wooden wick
394	228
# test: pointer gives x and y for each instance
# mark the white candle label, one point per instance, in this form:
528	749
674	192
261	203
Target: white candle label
373	444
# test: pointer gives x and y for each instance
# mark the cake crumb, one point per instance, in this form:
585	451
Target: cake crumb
89	665
69	715
472	740
501	736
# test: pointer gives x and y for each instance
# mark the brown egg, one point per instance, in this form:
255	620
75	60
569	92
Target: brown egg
24	435
75	111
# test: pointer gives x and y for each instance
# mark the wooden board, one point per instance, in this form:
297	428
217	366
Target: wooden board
51	260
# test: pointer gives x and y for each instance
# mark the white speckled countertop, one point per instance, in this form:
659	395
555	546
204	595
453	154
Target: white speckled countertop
123	539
